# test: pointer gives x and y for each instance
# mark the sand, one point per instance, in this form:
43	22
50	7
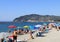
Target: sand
52	36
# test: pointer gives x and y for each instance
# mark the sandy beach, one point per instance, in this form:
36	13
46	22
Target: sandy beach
51	36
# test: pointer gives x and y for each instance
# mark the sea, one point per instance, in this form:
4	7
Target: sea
4	25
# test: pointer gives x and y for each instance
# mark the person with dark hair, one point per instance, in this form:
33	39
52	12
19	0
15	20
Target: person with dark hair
15	36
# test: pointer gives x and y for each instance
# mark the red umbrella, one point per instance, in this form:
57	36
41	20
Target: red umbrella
12	26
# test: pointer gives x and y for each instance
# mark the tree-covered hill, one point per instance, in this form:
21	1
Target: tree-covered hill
37	18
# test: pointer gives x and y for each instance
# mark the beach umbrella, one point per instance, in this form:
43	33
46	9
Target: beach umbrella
37	26
31	27
26	27
11	26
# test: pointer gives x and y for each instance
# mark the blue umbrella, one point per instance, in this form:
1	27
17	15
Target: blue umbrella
31	27
37	26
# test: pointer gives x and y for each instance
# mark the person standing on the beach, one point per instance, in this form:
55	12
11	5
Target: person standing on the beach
15	36
31	36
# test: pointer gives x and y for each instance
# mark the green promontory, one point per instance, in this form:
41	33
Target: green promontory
37	18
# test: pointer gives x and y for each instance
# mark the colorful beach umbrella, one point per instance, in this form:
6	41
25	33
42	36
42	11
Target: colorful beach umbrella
26	27
37	26
31	27
12	26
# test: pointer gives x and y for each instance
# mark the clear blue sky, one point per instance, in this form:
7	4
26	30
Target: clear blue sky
10	9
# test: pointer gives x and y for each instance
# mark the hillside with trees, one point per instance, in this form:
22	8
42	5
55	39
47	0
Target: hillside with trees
37	18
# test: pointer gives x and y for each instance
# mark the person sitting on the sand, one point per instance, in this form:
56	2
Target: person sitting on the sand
39	32
20	31
51	25
43	29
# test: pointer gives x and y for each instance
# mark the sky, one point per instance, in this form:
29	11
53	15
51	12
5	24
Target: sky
11	9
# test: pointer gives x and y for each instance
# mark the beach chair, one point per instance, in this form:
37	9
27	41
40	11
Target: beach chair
39	34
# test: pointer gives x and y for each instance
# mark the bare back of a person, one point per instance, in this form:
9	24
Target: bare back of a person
15	36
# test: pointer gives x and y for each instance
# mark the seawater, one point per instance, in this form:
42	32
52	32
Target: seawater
4	25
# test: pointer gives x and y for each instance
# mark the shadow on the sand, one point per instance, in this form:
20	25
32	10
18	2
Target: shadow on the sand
40	35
